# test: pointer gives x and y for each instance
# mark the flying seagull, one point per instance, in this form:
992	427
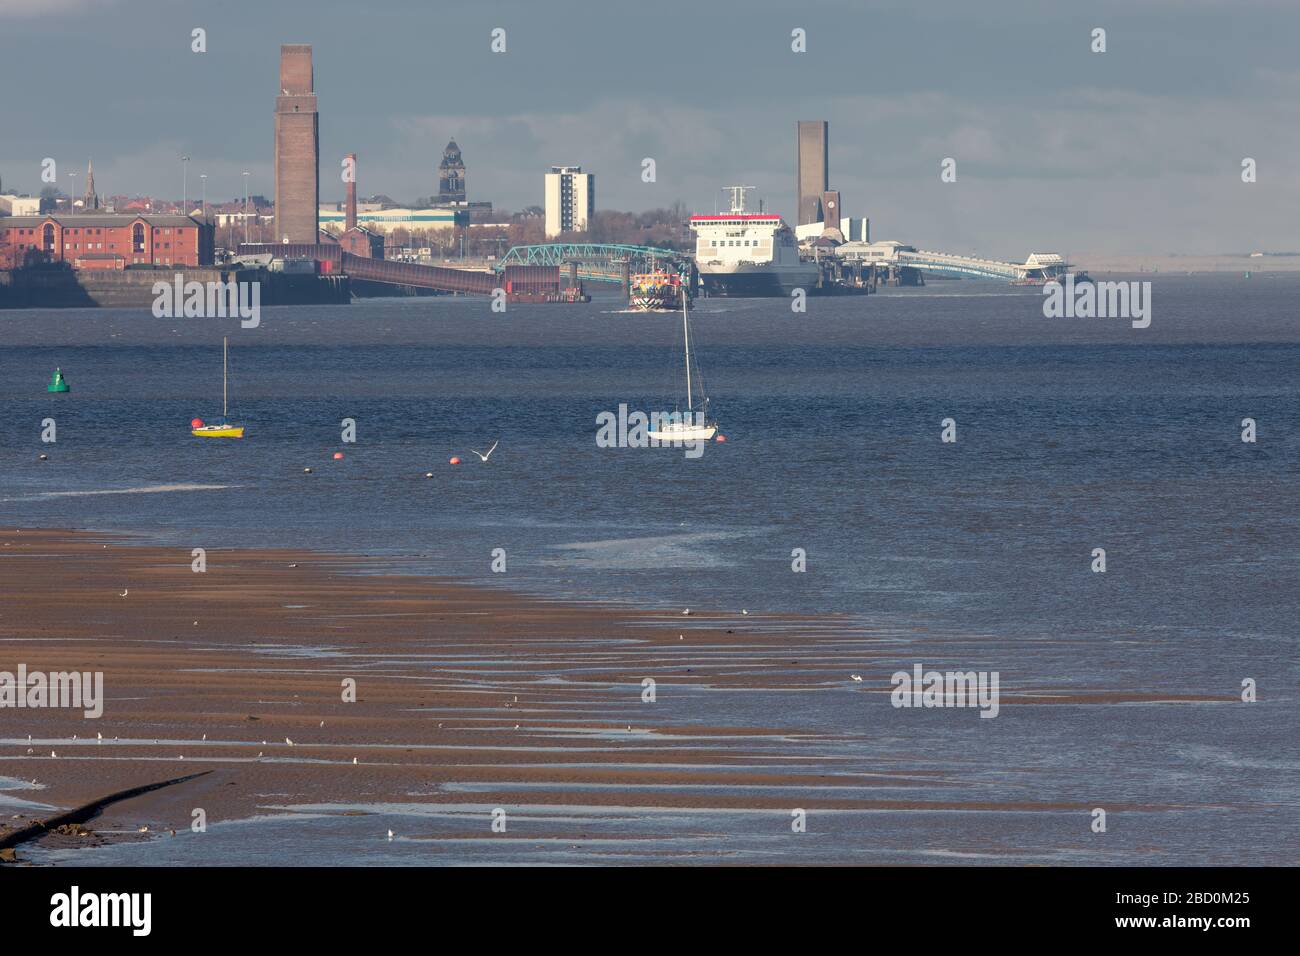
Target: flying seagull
488	455
856	677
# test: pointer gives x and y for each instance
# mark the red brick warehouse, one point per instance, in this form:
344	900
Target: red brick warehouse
105	241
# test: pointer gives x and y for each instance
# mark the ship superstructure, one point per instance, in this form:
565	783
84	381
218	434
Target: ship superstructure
744	254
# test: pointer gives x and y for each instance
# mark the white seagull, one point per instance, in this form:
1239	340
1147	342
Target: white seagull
390	834
856	677
488	454
125	592
288	741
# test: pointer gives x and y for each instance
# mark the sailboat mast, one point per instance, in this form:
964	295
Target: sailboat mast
686	337
225	360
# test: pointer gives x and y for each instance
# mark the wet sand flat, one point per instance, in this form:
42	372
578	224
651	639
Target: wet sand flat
462	693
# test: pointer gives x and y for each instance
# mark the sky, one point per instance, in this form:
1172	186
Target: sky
1137	150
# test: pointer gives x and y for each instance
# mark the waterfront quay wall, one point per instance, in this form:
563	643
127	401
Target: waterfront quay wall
61	288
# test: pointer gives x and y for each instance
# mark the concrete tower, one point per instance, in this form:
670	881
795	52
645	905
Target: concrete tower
813	173
297	148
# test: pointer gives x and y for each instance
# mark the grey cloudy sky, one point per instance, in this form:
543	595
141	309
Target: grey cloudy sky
1137	150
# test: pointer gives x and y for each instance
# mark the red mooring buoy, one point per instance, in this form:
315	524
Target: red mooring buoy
338	455
196	423
454	460
721	438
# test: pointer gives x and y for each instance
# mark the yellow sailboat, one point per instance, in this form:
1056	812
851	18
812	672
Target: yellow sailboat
225	429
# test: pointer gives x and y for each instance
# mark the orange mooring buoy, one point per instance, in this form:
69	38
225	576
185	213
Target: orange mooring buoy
338	455
454	460
721	438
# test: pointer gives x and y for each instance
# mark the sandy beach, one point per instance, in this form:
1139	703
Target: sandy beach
533	702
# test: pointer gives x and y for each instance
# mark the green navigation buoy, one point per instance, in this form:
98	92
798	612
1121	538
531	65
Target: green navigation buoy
57	384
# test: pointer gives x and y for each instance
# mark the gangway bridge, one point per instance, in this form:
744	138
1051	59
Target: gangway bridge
597	261
1039	265
611	262
530	282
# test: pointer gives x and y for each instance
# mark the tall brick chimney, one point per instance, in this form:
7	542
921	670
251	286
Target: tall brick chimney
351	214
297	148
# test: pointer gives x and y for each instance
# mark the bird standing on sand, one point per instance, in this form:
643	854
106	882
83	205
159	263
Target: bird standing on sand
488	454
125	592
288	741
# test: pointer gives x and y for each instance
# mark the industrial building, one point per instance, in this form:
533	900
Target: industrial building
570	200
11	205
385	220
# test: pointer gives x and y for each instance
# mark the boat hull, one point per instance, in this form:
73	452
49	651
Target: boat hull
685	433
218	431
758	283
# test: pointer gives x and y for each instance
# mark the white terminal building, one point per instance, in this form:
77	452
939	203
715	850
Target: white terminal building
11	205
570	200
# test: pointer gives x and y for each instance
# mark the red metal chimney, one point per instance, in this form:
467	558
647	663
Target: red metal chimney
351	213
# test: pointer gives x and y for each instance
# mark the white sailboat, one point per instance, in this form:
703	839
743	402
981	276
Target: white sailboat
687	429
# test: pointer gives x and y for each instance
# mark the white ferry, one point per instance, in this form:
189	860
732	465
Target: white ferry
745	255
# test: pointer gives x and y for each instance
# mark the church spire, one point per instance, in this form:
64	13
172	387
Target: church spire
90	200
